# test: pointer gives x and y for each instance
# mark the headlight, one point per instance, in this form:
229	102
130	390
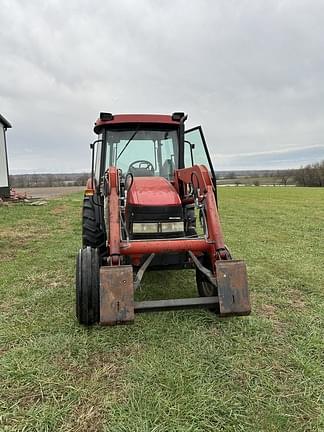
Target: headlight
159	227
143	228
172	227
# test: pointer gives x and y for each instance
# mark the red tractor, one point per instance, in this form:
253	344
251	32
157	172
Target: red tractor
151	203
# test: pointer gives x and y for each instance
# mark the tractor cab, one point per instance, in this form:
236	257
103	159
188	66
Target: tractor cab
148	145
147	150
150	180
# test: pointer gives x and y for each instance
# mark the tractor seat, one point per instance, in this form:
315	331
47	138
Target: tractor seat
140	172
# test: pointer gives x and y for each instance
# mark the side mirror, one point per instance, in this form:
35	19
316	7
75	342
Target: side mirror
92	145
95	142
192	146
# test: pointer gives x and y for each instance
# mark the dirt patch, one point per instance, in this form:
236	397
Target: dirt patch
102	367
296	300
96	378
269	311
59	210
50	192
102	374
7	306
14	240
22	233
3	351
88	415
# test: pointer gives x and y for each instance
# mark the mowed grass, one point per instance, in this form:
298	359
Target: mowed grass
175	371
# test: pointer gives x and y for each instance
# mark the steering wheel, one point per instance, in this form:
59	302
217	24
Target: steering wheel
142	164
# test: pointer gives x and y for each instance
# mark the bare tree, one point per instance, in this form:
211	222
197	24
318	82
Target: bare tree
310	175
285	175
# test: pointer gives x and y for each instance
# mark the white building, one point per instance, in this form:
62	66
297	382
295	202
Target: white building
4	173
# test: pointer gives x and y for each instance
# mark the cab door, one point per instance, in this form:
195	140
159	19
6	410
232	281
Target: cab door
196	151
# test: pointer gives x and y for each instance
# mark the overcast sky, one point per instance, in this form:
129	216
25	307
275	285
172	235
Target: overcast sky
250	72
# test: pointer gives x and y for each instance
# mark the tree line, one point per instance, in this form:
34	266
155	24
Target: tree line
310	175
48	180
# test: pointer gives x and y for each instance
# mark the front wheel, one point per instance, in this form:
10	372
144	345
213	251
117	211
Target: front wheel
87	286
204	287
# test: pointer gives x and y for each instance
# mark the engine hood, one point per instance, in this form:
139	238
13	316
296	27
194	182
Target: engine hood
152	191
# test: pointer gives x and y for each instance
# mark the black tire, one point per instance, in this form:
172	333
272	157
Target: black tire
93	227
204	287
191	221
87	286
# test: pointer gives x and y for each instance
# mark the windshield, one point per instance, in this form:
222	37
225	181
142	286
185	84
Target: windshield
143	152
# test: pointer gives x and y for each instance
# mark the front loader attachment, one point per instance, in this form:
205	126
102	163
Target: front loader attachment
227	278
117	303
232	285
116	295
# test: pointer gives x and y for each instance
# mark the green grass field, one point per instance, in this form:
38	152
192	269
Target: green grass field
176	371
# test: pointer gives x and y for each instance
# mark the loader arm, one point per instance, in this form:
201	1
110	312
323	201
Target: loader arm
198	180
113	219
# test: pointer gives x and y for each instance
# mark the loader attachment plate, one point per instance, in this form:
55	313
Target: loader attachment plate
233	290
116	295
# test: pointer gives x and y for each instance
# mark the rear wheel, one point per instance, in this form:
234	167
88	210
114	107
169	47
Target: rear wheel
93	231
87	286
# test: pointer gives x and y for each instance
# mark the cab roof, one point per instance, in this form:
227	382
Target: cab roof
107	119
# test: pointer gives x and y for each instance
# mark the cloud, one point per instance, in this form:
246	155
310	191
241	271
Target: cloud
280	159
250	72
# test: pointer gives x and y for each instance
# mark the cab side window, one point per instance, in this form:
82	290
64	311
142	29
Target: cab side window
194	149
